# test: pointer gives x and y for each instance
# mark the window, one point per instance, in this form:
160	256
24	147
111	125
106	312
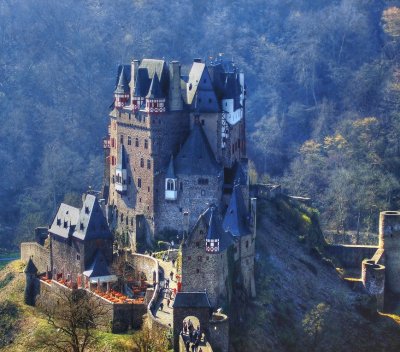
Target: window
127	220
199	258
129	180
78	257
146	144
139	182
122	217
112	142
202	122
247	244
181	186
113	160
190	86
129	141
148	189
141	162
197	271
170	185
113	179
131	221
202	181
136	142
81	226
148	164
121	139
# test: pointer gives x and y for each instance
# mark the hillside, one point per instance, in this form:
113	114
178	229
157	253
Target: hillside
302	304
19	323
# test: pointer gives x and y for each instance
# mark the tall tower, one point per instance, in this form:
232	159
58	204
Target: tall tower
145	129
389	240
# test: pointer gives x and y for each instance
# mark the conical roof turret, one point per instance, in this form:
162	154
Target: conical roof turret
122	86
30	267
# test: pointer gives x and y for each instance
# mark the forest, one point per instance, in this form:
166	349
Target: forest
323	95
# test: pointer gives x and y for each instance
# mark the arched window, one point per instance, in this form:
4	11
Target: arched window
141	162
136	142
148	164
146	144
170	185
129	141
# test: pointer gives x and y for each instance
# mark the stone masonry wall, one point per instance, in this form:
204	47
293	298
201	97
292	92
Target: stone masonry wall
39	255
191	196
351	256
204	271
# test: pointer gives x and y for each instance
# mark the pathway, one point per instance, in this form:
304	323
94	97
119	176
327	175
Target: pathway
165	315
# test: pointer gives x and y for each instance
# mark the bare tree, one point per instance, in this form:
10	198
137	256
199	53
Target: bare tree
73	316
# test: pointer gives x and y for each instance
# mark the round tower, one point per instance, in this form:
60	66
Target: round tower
389	240
373	278
219	332
30	284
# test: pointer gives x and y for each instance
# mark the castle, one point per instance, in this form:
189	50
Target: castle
175	167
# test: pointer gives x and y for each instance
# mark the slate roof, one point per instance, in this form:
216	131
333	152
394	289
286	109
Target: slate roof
149	72
170	171
65	221
98	267
127	74
196	156
215	229
235	220
91	223
30	267
191	300
121	158
122	85
154	90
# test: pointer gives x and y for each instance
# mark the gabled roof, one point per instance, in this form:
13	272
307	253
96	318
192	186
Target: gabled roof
65	221
235	220
196	156
213	232
122	85
121	162
191	300
170	171
91	223
98	267
142	83
153	66
30	267
154	90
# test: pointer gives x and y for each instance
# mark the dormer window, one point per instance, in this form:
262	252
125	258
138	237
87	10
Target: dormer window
81	226
170	189
65	224
59	222
87	211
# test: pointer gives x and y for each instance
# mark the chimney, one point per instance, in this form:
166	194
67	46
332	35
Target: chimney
175	97
134	70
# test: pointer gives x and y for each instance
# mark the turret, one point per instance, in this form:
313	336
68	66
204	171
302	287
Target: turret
213	235
121	172
30	284
121	93
155	102
171	192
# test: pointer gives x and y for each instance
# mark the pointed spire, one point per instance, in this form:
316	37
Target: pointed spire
121	158
122	86
30	267
154	90
170	170
212	233
235	220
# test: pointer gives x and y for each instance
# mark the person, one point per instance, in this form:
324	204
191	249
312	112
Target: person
168	301
173	262
171	275
200	350
167	283
154	285
161	306
196	344
187	345
193	347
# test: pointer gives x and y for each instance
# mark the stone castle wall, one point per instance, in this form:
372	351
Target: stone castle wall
193	198
39	254
204	271
351	256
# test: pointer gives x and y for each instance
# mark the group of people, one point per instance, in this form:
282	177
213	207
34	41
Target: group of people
194	336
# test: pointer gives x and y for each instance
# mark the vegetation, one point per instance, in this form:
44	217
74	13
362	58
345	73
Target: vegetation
322	82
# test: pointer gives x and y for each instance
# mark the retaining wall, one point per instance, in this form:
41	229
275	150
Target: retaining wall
351	256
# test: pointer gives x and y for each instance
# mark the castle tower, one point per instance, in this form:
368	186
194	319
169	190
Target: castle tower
389	240
31	283
121	93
